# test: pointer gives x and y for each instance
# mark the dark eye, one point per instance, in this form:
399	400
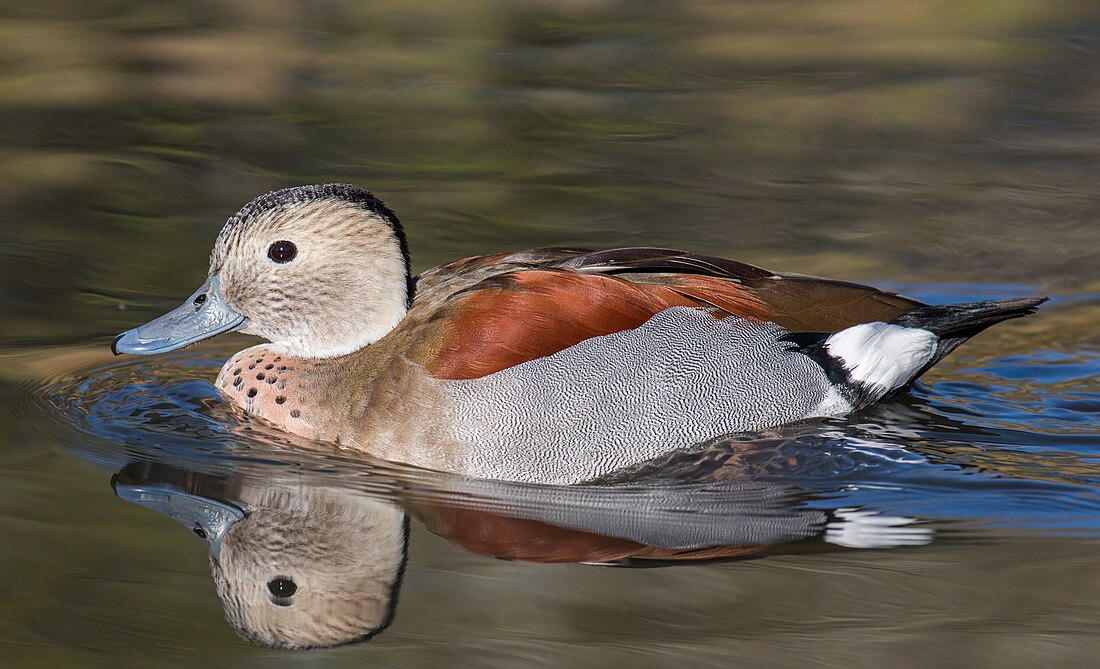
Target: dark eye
282	251
282	587
199	532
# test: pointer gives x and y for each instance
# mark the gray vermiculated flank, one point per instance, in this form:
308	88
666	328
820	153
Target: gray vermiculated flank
678	379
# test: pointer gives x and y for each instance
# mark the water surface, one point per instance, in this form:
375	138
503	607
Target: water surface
946	151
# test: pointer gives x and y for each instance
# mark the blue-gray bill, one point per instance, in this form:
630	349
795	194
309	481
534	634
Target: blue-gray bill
203	315
207	518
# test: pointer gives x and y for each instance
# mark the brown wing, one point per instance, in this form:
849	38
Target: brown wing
811	304
479	315
520	316
798	303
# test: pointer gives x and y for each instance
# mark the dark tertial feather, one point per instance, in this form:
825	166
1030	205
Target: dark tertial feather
643	259
811	304
799	303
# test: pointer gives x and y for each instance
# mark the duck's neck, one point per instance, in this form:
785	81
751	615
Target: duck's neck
345	338
354	324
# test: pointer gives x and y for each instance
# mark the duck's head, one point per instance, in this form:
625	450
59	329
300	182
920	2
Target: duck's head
319	271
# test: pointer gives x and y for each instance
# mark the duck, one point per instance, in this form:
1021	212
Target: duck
551	365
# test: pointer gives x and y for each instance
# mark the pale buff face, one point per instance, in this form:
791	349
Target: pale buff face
345	288
343	553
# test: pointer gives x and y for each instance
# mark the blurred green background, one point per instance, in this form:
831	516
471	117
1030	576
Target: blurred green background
866	139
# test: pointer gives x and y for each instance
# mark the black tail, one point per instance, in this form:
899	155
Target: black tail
955	323
950	321
857	360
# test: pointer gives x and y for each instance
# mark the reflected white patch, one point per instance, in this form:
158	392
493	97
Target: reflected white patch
861	528
886	451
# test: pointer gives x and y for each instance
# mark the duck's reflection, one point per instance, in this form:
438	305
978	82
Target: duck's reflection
296	566
307	555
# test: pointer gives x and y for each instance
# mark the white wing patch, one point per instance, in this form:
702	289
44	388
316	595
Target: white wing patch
882	354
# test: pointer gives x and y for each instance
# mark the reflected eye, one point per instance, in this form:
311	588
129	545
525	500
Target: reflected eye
282	589
282	251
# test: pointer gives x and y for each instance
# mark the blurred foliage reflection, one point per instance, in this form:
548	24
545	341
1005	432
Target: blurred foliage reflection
845	137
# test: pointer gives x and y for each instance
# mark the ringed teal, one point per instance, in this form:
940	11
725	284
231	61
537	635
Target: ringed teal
554	365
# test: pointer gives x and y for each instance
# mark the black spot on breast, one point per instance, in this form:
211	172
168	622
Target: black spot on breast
280	399
238	383
294	413
251	392
282	368
278	358
272	379
260	376
268	366
237	372
252	366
